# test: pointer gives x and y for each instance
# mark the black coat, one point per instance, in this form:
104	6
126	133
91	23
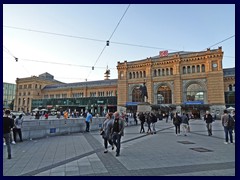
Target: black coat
7	124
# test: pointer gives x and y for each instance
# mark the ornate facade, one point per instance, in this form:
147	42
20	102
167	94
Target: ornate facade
181	81
186	80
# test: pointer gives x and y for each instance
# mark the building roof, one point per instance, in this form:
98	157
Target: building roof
82	84
229	72
182	54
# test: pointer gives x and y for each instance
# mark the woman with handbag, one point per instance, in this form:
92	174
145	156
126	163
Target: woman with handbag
106	131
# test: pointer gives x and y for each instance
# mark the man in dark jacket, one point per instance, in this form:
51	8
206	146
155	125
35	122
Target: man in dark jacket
117	132
7	126
209	119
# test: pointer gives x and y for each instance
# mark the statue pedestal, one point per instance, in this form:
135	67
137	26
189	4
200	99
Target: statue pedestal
144	107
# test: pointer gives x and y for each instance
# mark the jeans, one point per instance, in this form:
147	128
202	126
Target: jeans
15	131
116	138
106	141
87	126
7	140
209	128
142	127
177	128
228	131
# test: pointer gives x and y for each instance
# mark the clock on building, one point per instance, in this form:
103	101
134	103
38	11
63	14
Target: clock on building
214	65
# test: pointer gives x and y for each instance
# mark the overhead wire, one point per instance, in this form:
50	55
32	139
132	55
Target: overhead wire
108	40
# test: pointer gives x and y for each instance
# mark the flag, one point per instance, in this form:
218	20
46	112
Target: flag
163	53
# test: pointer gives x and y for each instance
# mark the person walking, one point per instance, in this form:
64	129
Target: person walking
106	131
228	128
176	123
149	121
185	124
117	132
88	120
135	118
209	119
18	128
153	121
142	120
7	126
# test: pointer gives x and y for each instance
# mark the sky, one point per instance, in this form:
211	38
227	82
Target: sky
75	36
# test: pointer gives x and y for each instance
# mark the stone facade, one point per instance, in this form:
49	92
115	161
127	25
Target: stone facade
176	72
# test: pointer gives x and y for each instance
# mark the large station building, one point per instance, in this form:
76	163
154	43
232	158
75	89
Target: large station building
181	81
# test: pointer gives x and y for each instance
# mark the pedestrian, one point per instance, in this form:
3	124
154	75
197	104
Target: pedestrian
166	117
126	118
233	116
88	120
135	118
142	120
7	126
185	124
149	121
153	121
209	119
117	132
225	118
17	129
106	131
176	123
46	115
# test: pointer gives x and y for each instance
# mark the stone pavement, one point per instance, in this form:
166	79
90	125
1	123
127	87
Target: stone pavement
161	154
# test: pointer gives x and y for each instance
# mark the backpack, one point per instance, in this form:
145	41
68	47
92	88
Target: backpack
231	122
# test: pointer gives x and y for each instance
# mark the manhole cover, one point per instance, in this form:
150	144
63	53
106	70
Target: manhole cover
201	149
186	142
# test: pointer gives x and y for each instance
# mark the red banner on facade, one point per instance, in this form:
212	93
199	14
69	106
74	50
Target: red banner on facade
163	53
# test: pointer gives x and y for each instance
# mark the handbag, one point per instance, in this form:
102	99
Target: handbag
102	132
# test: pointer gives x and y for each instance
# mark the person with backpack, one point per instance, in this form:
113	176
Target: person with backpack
227	123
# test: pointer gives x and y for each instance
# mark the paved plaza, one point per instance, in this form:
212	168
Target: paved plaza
161	154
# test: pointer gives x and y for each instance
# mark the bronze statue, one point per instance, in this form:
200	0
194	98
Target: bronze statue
143	90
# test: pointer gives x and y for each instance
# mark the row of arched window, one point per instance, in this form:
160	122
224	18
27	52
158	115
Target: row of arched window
163	72
138	74
193	69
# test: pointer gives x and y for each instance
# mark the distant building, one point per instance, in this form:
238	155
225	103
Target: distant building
8	94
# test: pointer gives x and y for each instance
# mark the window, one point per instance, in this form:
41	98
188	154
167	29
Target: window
188	69
171	71
203	68
20	86
195	93
137	75
29	86
130	75
164	95
155	73
133	74
230	87
163	72
141	74
159	72
35	86
167	72
193	69
136	95
184	70
198	68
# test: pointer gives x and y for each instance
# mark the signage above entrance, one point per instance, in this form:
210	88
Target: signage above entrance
193	102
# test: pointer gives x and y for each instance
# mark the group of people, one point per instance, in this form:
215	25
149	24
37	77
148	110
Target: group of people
11	124
112	131
150	119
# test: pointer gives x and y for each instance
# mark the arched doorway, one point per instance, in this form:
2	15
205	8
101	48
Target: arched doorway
164	95
136	95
